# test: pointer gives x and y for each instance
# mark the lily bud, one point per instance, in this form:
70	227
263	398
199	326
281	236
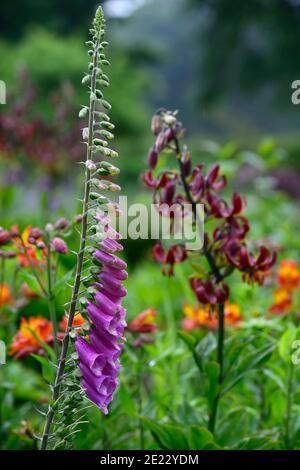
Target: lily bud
152	157
156	125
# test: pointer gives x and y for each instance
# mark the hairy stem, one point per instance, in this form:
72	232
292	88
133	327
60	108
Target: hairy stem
80	256
51	303
218	277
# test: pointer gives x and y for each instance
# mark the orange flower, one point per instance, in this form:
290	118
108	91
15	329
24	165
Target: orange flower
288	276
199	317
78	321
144	322
26	341
204	317
30	257
5	295
283	301
232	314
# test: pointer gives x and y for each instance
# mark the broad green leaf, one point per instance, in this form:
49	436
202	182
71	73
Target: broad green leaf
167	436
200	438
48	369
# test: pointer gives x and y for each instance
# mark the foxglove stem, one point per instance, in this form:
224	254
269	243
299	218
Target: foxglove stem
218	276
51	303
80	256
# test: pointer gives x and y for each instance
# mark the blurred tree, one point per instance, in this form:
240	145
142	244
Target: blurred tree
248	46
63	17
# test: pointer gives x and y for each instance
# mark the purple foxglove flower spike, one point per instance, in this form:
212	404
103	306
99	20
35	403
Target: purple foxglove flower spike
99	353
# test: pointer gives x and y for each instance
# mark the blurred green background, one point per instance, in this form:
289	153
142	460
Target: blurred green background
227	66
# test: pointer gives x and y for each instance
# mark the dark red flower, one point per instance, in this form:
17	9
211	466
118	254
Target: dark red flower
254	269
150	182
152	157
219	208
175	254
207	292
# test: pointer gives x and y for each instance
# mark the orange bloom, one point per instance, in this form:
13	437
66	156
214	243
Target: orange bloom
5	295
144	322
78	321
204	317
30	257
282	301
25	342
232	314
288	276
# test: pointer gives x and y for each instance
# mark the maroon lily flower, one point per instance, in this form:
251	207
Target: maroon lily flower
175	254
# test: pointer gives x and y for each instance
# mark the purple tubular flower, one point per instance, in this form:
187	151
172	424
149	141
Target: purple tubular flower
152	158
99	356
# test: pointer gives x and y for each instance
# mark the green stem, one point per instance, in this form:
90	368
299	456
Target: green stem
218	277
33	270
51	302
220	359
288	430
140	401
80	256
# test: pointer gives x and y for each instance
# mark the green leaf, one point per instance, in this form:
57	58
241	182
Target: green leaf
285	343
61	283
47	348
129	405
167	436
191	343
48	370
264	440
200	438
30	281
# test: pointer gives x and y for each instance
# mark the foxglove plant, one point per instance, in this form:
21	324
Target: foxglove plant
224	248
99	354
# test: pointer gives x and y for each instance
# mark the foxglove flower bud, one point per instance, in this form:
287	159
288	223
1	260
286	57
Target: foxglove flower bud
59	245
61	224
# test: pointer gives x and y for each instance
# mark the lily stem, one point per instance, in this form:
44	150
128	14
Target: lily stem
218	277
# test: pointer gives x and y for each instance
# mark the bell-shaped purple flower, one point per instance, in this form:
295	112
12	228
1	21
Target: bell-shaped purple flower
99	355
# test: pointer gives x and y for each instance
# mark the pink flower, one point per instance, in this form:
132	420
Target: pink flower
59	245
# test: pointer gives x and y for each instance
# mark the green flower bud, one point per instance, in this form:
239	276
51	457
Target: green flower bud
107	134
99	94
103	83
101	142
83	112
108	125
106	105
86	79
